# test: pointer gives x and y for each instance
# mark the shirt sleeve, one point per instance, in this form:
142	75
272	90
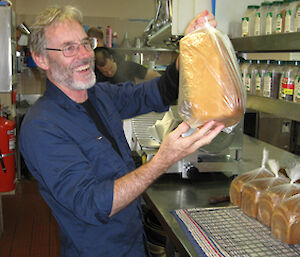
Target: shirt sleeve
168	85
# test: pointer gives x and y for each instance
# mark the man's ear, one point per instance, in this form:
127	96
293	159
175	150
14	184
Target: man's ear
41	61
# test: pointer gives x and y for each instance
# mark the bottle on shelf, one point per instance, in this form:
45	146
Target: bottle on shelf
252	73
272	79
276	9
261	71
280	18
248	20
296	98
108	37
297	18
244	66
290	16
288	82
260	18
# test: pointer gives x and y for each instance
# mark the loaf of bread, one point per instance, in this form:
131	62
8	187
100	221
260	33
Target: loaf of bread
210	85
271	198
252	191
285	222
237	184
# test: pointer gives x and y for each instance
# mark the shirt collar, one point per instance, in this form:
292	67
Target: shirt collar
53	92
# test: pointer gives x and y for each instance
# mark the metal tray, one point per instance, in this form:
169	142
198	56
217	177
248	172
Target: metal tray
227	231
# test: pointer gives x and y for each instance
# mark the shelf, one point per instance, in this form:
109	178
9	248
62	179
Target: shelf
268	43
281	108
144	49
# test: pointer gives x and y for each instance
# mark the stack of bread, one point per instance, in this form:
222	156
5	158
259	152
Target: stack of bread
210	85
236	187
274	195
274	200
253	189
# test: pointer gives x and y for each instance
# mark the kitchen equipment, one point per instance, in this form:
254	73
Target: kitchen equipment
221	155
6	65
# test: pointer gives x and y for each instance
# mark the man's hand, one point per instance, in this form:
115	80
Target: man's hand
175	147
200	21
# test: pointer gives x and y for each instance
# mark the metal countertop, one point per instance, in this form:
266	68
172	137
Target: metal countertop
170	192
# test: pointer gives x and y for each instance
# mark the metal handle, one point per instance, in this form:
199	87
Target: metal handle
2	162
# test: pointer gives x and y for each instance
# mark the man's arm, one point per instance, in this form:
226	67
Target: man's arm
150	74
174	148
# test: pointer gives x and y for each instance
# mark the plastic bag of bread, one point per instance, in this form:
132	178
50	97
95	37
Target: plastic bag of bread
210	85
253	189
285	222
274	195
236	187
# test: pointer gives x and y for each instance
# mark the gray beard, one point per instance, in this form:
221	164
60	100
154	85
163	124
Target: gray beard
64	77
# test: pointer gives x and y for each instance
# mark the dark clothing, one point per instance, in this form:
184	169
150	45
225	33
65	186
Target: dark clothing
126	71
76	165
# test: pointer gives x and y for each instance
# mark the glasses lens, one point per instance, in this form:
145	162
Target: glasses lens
70	50
93	42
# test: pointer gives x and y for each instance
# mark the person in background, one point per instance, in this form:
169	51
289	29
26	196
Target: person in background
98	34
73	142
110	67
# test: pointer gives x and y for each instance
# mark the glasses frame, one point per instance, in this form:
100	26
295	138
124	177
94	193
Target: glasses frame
93	44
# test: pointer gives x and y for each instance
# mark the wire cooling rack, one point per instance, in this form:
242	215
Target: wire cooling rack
227	231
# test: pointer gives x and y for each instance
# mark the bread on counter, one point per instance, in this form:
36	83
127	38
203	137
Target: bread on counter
271	198
210	87
285	222
237	184
252	191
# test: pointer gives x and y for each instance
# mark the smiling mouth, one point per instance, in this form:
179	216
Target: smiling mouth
83	68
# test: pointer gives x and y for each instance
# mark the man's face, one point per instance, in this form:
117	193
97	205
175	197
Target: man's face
109	69
76	72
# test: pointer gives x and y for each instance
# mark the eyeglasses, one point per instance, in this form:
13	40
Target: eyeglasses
70	50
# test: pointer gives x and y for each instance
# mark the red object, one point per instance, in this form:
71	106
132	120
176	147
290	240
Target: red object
7	154
13	96
108	37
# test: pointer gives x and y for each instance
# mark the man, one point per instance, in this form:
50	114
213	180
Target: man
96	33
110	67
73	142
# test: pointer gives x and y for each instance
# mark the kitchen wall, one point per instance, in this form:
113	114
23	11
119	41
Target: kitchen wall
130	16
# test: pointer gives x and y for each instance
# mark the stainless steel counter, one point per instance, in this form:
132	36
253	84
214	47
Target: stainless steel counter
170	192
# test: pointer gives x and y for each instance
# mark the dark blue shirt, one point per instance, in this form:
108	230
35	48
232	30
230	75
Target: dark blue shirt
76	166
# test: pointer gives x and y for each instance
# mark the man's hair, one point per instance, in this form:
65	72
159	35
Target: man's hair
49	16
106	53
95	32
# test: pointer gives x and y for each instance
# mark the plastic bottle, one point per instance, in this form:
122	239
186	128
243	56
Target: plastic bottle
270	19
261	71
260	18
248	20
114	40
254	70
244	70
297	84
272	80
108	37
288	82
290	16
276	8
280	18
297	18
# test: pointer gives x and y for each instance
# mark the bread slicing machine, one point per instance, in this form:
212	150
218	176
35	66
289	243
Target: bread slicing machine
223	154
